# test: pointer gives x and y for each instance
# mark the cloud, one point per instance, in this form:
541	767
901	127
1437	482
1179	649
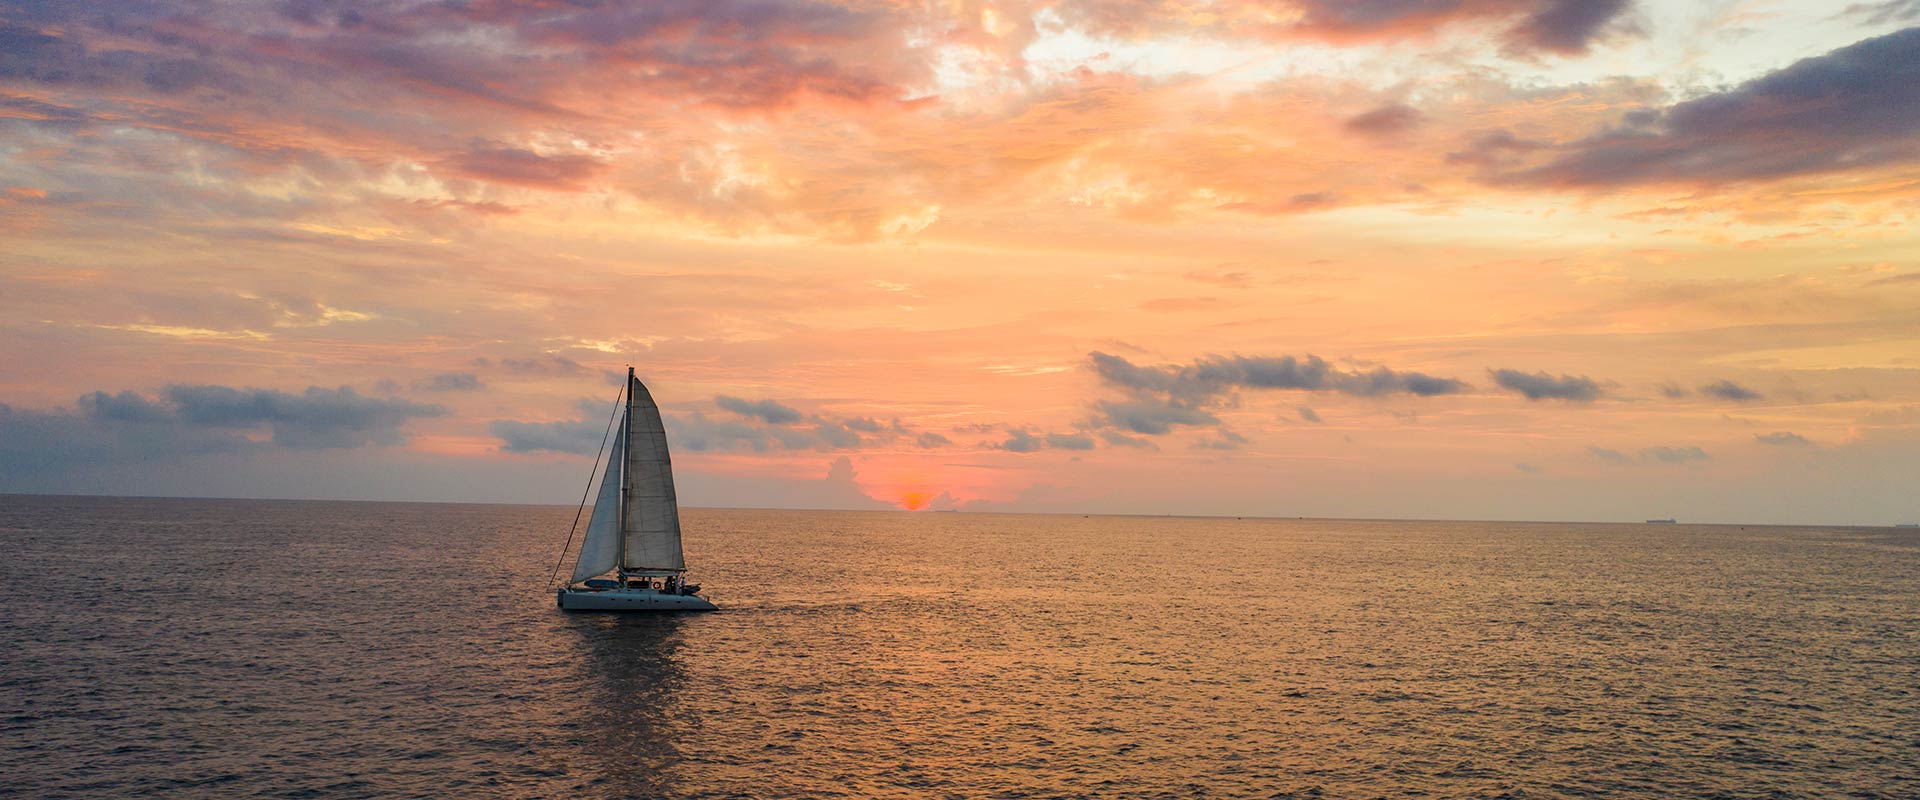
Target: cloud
1672	391
1310	415
1783	439
1161	398
561	173
316	418
1528	468
842	489
1854	108
35	56
945	501
1885	11
1069	441
865	424
542	97
837	486
1674	455
1387	120
1222	439
548	365
1234	279
186	420
698	432
1493	149
130	424
765	410
123	407
763	426
1909	277
1021	441
1565	27
451	382
1212	376
1665	455
836	435
1728	390
1611	456
43	450
1118	439
1151	416
1542	386
579	437
1903	416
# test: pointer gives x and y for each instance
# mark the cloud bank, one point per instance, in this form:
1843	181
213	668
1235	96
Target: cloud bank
1854	108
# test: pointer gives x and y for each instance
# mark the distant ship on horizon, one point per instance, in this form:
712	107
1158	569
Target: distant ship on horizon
1667	521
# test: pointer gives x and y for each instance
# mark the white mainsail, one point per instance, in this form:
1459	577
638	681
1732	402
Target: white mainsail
600	550
652	520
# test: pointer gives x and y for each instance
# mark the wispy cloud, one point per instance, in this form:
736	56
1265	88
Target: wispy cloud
550	365
1674	455
451	382
1728	390
1783	439
767	411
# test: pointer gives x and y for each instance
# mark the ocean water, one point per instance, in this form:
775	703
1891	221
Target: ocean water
193	648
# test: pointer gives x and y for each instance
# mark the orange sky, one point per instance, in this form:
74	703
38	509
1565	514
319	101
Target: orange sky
1488	259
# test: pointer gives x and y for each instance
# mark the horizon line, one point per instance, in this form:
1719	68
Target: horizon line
1256	517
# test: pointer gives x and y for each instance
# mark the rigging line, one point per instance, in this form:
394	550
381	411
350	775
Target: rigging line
583	496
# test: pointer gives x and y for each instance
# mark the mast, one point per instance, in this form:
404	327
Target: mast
626	475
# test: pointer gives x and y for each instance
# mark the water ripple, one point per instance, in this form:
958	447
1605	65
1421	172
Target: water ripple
173	648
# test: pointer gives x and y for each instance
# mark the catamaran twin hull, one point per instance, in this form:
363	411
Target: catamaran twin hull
631	600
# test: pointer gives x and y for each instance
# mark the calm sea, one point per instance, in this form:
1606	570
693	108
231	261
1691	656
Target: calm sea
195	648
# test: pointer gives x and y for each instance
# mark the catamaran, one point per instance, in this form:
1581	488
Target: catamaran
635	528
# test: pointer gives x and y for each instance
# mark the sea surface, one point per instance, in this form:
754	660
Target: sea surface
196	648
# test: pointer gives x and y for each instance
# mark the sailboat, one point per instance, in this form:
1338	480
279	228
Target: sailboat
634	532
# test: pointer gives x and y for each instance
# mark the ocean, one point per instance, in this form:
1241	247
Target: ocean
217	648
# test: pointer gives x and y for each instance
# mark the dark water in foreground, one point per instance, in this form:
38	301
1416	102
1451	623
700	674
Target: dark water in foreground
225	648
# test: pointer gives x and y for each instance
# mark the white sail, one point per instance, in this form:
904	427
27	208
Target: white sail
600	550
653	514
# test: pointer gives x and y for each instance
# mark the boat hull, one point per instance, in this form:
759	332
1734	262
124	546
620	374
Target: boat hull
631	600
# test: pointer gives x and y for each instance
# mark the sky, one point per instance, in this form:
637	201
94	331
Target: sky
1483	259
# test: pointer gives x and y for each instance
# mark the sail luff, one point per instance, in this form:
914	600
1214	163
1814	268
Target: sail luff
600	549
652	525
626	469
